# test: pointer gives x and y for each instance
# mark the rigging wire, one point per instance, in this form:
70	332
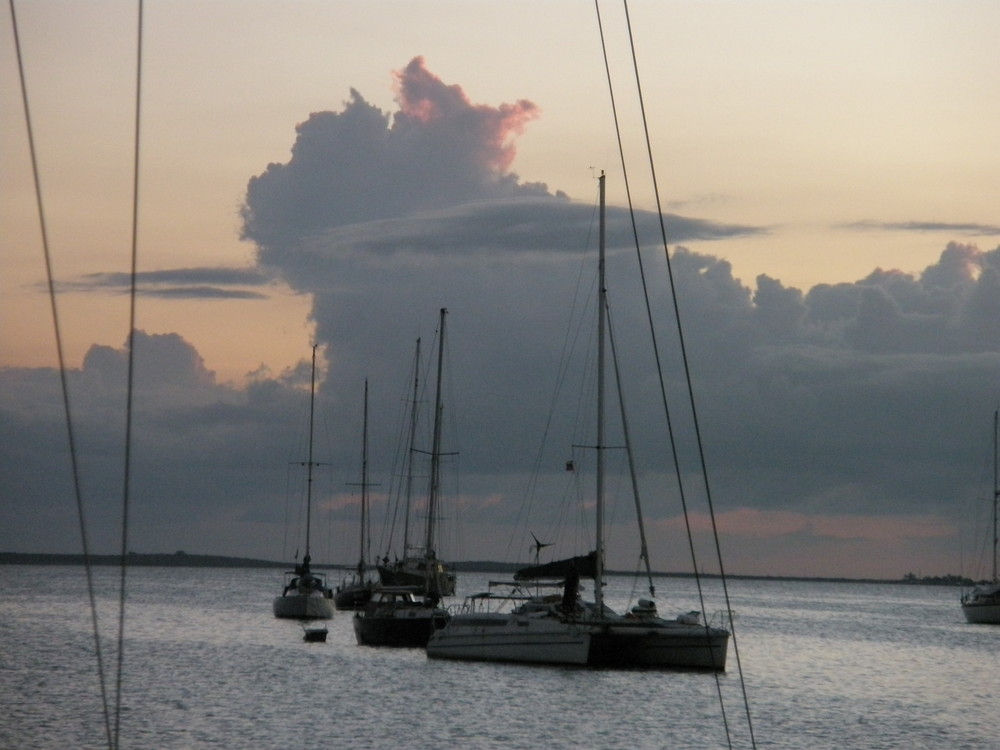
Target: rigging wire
683	353
130	386
643	546
60	354
571	337
395	497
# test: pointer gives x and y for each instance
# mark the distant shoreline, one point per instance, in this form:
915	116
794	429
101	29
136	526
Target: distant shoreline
185	560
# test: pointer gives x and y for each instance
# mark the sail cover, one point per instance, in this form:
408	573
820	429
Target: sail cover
584	565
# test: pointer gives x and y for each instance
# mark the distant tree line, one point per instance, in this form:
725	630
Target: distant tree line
948	580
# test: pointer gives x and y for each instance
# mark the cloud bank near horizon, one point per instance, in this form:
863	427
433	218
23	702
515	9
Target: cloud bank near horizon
819	409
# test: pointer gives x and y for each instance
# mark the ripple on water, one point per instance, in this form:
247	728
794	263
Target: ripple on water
206	666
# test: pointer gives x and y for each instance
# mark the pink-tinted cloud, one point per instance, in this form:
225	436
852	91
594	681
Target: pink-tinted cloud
425	99
353	497
762	524
491	500
437	150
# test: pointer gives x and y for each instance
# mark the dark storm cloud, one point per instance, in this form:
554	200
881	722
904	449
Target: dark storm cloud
207	458
839	399
871	397
805	406
861	397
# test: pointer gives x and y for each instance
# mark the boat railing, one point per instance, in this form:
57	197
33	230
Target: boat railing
720	619
513	593
481	603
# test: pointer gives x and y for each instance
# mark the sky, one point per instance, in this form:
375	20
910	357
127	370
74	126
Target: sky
336	173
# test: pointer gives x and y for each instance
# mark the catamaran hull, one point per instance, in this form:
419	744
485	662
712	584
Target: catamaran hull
303	606
484	638
665	645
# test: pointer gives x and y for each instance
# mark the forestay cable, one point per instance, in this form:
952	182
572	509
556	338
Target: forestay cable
130	385
683	352
67	409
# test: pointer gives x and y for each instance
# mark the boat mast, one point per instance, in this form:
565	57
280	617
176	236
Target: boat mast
601	312
436	445
996	491
643	546
364	490
409	452
309	462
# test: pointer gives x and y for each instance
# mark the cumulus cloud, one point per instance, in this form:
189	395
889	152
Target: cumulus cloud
360	164
433	177
202	451
819	408
866	392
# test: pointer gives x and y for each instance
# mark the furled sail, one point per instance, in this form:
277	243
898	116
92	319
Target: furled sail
585	566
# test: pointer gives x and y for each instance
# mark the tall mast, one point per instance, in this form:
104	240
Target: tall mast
436	444
364	488
309	462
996	491
410	449
601	312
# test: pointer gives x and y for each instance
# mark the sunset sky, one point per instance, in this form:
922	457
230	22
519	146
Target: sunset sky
337	172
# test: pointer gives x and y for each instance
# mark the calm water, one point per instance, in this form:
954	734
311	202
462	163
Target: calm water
206	665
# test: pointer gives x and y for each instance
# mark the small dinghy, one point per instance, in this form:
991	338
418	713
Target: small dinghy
314	635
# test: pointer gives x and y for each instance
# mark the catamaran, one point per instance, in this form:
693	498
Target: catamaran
560	628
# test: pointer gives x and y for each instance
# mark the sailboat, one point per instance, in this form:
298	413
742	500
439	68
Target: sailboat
420	569
405	608
357	591
563	629
982	604
305	595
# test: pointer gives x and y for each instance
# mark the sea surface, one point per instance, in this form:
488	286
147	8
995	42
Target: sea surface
206	665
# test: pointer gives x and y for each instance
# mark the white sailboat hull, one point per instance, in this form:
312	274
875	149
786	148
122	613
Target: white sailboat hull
511	638
314	606
305	595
